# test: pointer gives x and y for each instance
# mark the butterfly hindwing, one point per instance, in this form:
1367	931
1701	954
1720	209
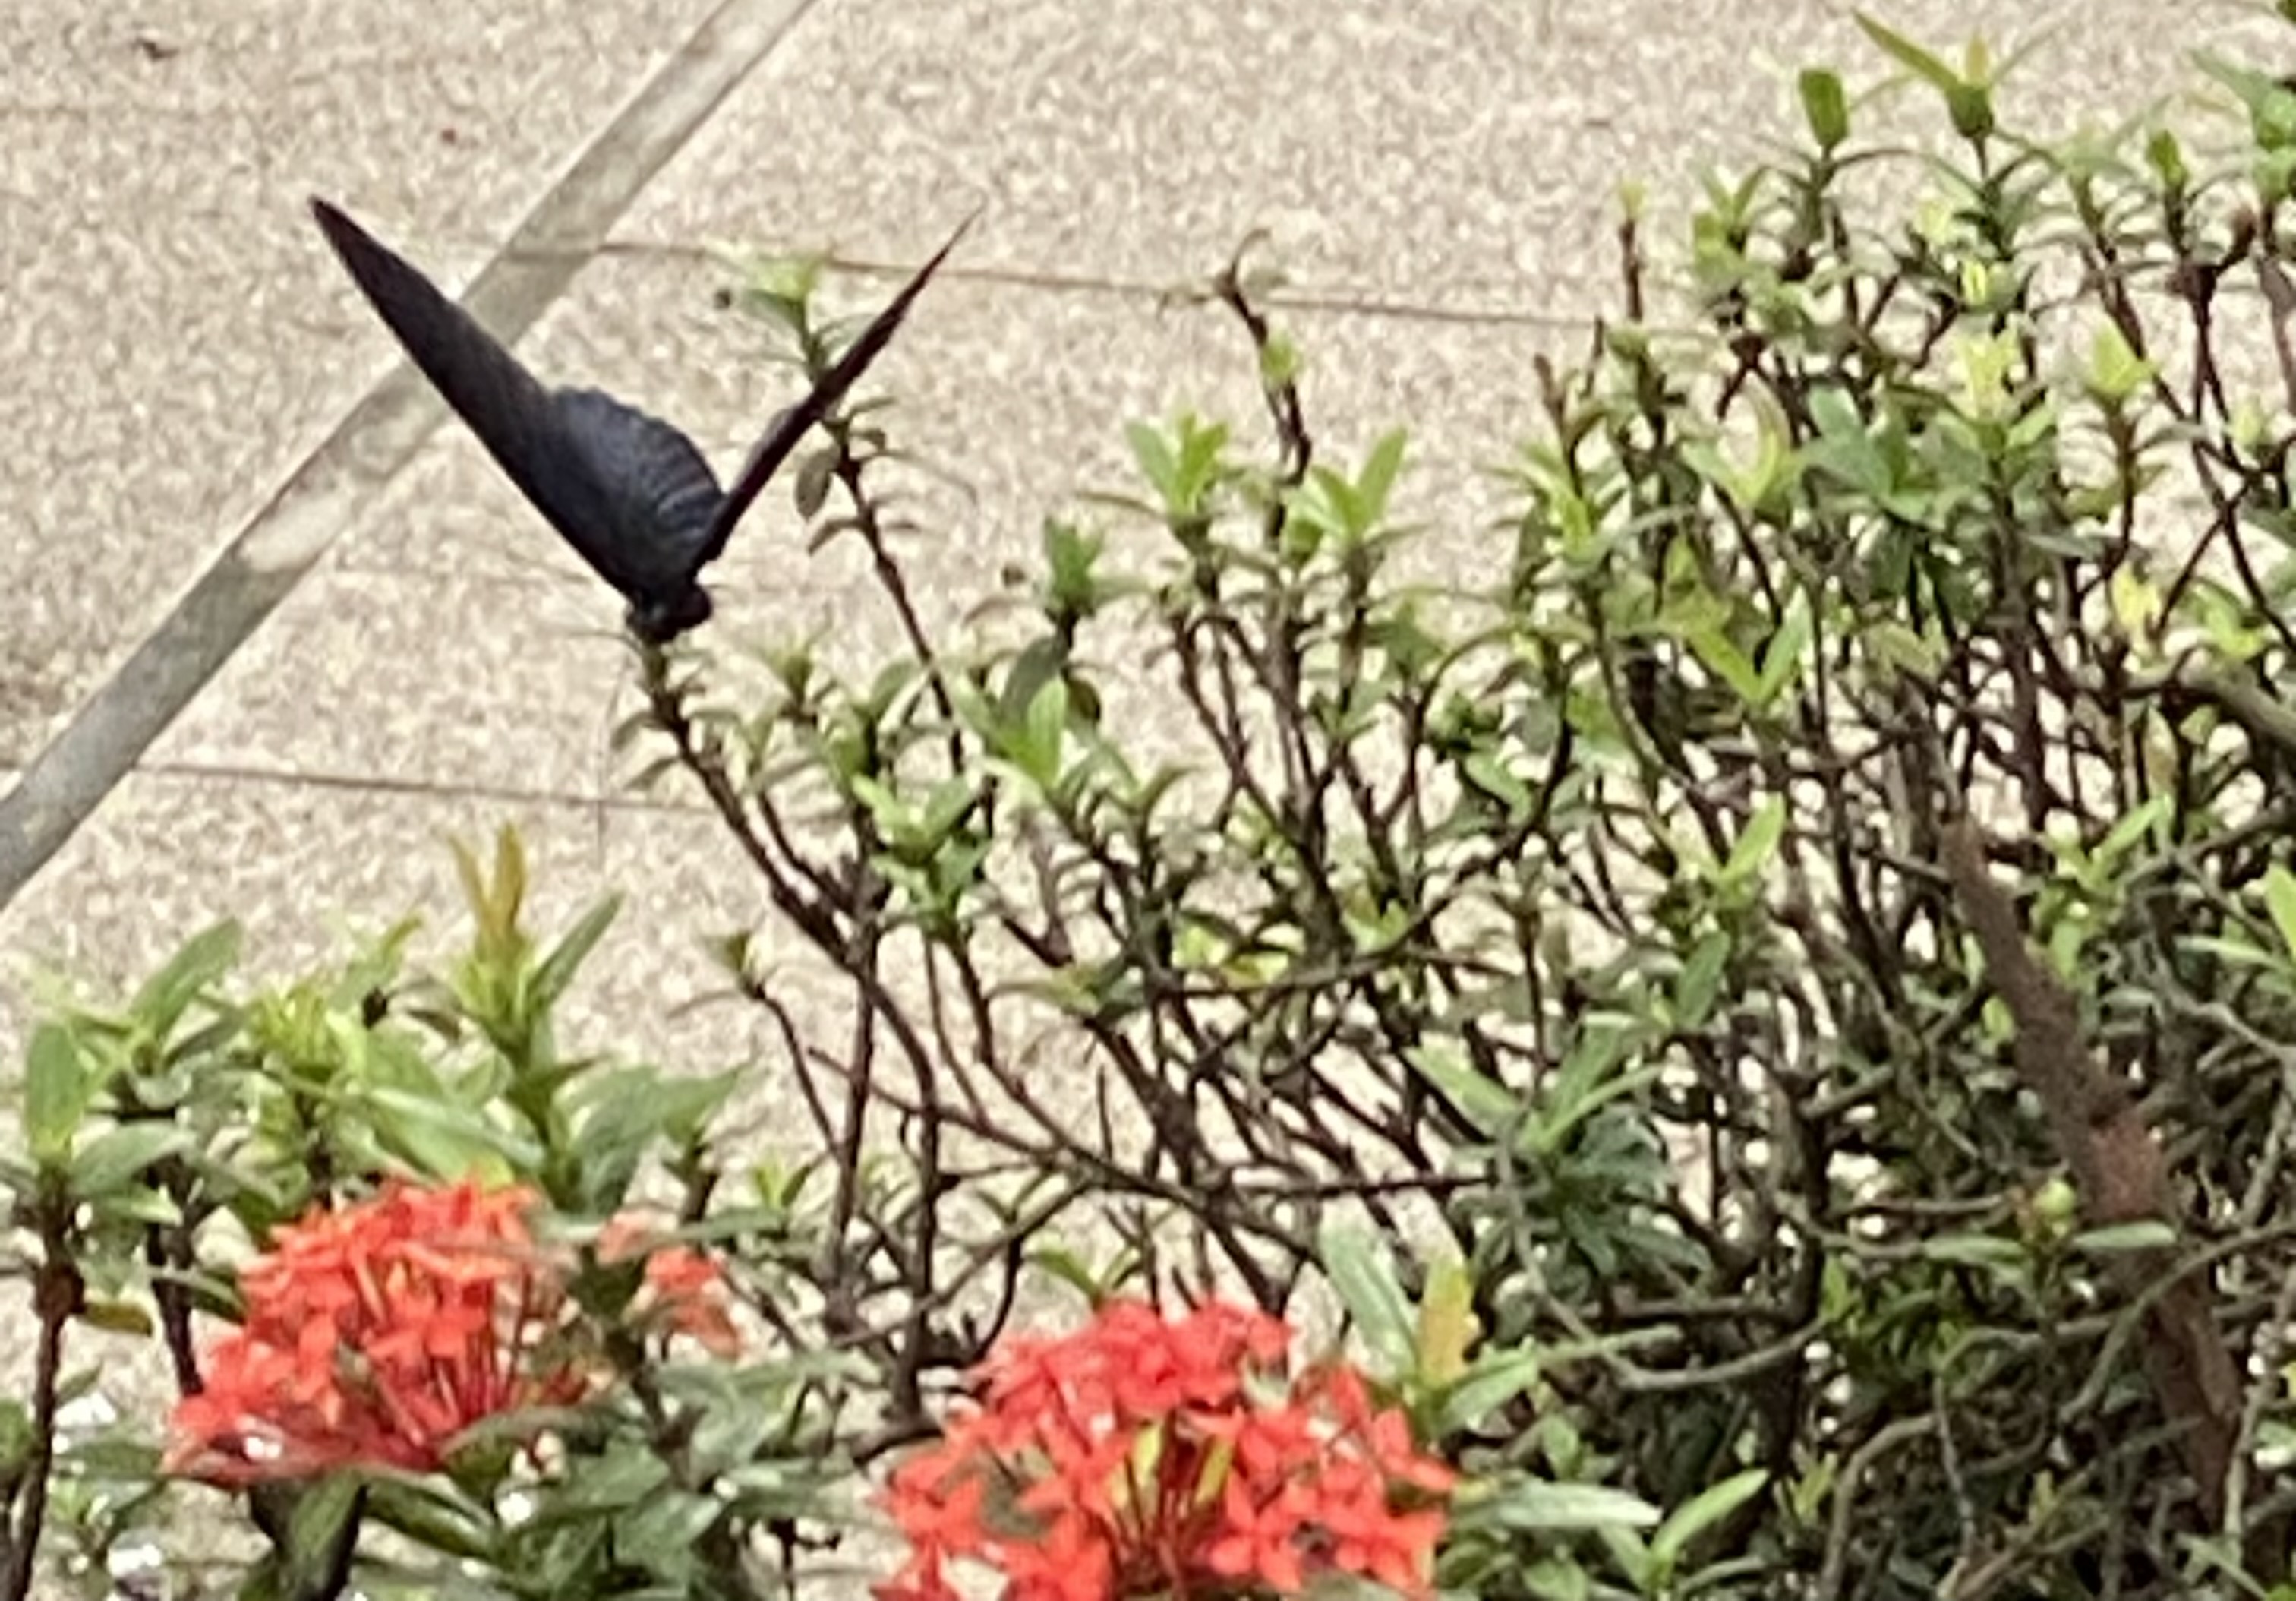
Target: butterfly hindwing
655	496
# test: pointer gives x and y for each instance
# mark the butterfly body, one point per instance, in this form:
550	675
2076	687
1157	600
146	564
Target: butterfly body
631	493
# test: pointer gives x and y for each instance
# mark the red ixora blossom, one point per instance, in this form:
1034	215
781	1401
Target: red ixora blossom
681	1292
378	1332
1152	1456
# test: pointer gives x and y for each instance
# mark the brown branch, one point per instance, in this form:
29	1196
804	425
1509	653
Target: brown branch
2117	1165
58	1296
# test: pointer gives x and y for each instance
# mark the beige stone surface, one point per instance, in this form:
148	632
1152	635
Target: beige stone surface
1456	154
309	869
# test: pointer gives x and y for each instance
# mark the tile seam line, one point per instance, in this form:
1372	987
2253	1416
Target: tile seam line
322	781
322	492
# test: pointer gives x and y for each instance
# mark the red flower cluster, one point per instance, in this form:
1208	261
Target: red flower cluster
681	1287
1144	1456
377	1333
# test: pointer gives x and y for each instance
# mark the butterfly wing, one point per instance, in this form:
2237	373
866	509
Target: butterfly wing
655	495
787	429
562	450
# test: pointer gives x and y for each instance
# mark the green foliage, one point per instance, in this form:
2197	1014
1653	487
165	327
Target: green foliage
167	1134
1568	975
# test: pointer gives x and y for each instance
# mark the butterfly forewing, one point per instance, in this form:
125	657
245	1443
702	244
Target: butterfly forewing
520	421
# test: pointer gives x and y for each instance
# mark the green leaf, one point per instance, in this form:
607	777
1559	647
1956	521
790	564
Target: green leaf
1912	56
626	1476
1363	1273
1494	1381
2129	833
1447	1323
1065	1266
429	1509
566	957
1757	844
1701	1512
118	1318
1376	483
1584	1085
1970	108
1037	664
452	1142
1489	1107
2115	371
1155	461
1893	646
1824	106
662	1534
57	1089
1541	1506
815	474
1721	656
2280	900
1631	1556
1700	982
620	1115
324	1511
1974	1251
112	1158
1782	658
137	1204
201	962
2117	1239
1557	1578
17	1434
1037	752
2166	156
1845	446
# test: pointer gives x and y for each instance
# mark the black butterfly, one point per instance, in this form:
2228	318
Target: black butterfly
628	491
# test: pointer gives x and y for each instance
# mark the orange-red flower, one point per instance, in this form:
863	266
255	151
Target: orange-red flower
378	1332
1145	1456
684	1291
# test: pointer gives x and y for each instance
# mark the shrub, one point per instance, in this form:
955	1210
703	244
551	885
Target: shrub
1769	1008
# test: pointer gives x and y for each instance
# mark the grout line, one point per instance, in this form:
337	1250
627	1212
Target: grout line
1176	291
373	784
322	494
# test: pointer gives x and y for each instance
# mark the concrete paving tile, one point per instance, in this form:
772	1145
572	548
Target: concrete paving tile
1387	148
175	334
1461	154
420	681
307	869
